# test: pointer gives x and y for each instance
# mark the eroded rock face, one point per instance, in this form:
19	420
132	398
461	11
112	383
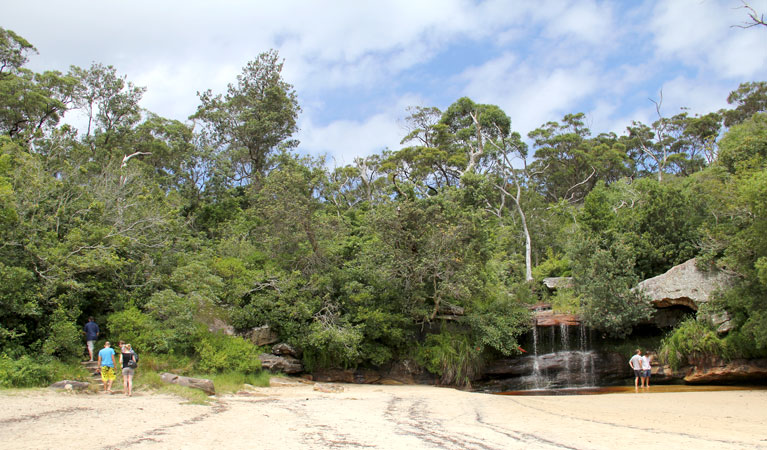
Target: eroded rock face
285	364
683	285
283	349
556	370
263	335
551	319
718	371
554	283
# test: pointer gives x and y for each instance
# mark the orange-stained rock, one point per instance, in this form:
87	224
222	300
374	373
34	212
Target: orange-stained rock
714	370
551	319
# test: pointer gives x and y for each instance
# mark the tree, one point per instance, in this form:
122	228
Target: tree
568	163
108	99
604	277
749	99
256	117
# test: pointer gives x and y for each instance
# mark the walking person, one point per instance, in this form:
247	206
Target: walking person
91	330
646	369
636	363
107	365
129	364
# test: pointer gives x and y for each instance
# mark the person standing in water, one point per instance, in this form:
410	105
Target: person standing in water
636	363
646	369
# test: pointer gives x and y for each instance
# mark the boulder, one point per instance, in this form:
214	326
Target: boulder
446	311
285	364
70	385
555	283
195	383
263	335
722	321
284	349
718	371
684	285
219	326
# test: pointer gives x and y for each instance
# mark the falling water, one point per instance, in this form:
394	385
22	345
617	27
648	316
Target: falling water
563	362
537	379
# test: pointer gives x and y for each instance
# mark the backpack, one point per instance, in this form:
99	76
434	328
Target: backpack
133	363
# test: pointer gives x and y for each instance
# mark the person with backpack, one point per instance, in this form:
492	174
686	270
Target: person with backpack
129	362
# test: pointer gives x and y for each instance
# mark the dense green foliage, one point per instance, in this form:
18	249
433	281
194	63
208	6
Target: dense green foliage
164	230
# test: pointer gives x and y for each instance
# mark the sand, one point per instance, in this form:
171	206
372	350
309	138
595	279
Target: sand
296	416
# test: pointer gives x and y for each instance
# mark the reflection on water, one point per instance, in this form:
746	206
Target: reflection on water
632	390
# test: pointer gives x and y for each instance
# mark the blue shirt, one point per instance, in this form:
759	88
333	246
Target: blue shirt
91	331
106	354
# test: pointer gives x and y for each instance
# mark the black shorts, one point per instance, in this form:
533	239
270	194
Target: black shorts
639	373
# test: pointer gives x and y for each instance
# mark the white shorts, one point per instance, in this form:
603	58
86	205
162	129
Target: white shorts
90	344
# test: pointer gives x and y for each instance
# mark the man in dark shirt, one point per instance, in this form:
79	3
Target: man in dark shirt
91	330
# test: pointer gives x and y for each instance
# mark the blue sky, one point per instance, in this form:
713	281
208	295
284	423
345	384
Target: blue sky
358	65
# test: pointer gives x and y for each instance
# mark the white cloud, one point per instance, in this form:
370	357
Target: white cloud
706	35
344	140
530	94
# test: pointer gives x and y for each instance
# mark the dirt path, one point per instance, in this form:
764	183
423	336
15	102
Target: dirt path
384	417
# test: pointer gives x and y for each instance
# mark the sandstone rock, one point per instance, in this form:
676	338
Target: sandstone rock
683	285
284	349
70	385
717	371
286	364
550	319
196	383
263	335
554	283
219	325
446	311
723	322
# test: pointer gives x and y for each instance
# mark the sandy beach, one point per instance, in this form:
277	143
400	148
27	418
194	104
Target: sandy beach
297	416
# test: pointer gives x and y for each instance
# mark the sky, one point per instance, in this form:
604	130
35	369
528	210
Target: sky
358	65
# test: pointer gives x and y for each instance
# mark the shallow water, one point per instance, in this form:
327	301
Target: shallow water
632	390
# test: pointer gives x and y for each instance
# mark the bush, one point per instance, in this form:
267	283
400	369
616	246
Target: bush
147	334
691	339
23	372
328	345
451	356
219	353
64	337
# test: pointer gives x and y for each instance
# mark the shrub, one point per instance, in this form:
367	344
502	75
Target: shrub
219	353
329	345
64	337
23	372
691	339
143	332
452	356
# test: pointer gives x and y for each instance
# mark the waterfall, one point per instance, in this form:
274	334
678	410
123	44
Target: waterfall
563	361
537	379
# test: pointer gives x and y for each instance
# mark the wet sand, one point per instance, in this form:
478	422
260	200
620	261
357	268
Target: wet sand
296	416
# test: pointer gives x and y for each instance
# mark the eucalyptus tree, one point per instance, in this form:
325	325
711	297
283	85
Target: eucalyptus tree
749	99
255	118
568	162
448	145
30	103
109	100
